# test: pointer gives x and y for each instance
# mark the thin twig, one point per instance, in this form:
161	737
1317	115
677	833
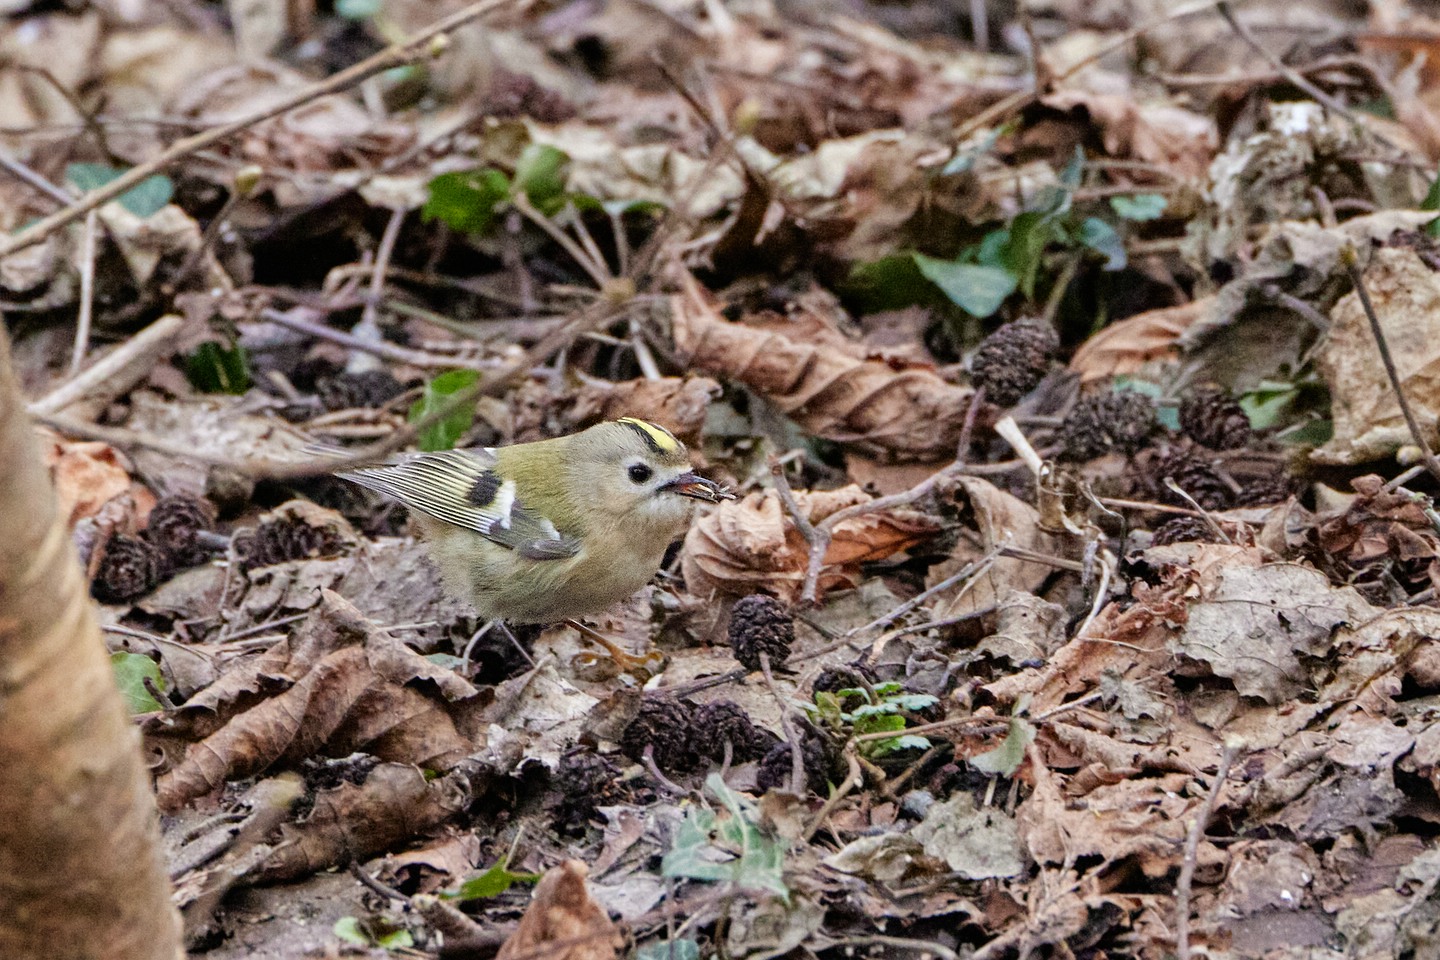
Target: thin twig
597	271
425	43
851	781
380	348
1192	852
968	574
798	779
1023	98
1295	78
13	165
242	185
1349	257
370	314
87	291
116	371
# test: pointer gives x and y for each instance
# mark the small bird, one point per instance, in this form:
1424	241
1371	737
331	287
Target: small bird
552	530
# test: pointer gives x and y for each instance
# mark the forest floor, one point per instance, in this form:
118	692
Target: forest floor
1079	598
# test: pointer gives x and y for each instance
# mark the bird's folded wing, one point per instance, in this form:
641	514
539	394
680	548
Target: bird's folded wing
462	487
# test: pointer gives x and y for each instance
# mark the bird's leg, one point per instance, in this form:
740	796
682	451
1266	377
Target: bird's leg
643	666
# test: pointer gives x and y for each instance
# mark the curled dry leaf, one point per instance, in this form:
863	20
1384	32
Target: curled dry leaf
562	922
353	822
369	692
1127	345
997	518
88	475
824	381
752	545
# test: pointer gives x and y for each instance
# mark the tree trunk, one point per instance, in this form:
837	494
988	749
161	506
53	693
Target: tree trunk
80	868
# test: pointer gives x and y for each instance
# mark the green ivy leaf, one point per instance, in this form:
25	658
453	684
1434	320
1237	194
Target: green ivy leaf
491	883
1029	236
217	368
1005	759
352	931
443	434
145	199
964	160
978	290
1141	207
1099	236
358	9
540	174
466	200
681	949
131	669
731	848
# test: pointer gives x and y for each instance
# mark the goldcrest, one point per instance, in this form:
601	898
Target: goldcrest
552	530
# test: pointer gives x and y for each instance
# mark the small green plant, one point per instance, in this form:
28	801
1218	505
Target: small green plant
216	367
470	201
442	434
1009	258
727	845
145	199
373	932
493	882
883	711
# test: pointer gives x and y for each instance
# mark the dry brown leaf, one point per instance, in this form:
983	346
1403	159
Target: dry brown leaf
1169	137
825	382
1368	422
752	544
997	517
562	922
678	404
1127	345
353	822
89	474
358	696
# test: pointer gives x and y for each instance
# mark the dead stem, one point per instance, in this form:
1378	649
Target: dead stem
427	42
1192	850
1349	257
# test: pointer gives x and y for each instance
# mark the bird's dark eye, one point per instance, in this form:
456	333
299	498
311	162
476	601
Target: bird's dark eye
640	473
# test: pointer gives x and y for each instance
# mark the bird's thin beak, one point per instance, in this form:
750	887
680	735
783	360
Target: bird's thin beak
693	485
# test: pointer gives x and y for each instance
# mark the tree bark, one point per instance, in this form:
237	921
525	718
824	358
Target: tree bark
81	874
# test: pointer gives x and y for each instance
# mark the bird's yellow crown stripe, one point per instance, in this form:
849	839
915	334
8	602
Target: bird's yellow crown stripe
661	437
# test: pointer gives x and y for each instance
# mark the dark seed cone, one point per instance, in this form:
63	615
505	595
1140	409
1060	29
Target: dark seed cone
1102	423
760	624
726	721
1014	359
1183	530
1213	419
130	568
175	526
835	679
283	539
1263	491
1193	473
776	769
667	725
585	780
369	389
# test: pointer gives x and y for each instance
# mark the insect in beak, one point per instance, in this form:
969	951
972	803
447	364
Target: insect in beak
698	487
